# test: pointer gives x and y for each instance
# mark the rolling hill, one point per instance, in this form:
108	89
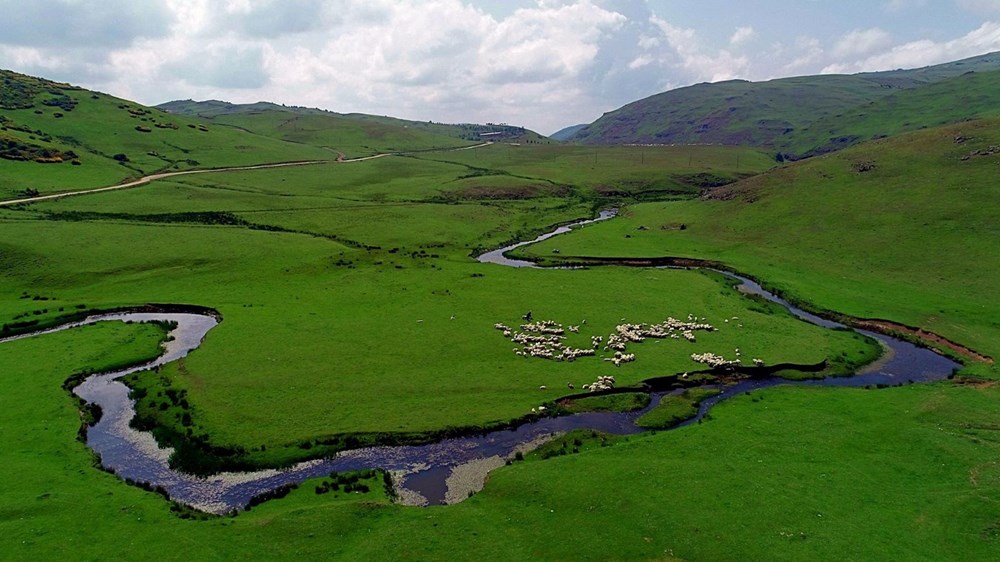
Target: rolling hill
567	133
353	133
970	95
776	114
54	136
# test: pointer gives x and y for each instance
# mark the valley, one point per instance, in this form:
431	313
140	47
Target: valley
363	312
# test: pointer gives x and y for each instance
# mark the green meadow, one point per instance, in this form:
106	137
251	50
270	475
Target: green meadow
330	289
911	238
905	473
353	311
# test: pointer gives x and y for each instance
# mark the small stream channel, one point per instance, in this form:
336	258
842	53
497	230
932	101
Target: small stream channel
437	473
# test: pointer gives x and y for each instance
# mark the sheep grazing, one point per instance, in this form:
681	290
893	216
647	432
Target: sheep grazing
758	363
543	387
713	360
669	328
603	383
620	358
544	327
544	338
570	353
570	386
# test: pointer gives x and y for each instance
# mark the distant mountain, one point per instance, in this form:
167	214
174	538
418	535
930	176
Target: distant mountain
410	135
766	114
567	133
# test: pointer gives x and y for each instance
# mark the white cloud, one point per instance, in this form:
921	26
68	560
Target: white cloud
861	42
808	52
540	63
920	53
640	61
423	59
699	62
742	35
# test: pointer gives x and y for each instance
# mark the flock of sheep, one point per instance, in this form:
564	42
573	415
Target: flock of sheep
545	339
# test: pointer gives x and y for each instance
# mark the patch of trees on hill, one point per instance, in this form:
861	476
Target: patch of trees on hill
490	131
14	149
18	91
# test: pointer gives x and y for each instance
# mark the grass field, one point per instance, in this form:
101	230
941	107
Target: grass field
359	299
911	240
351	137
351	305
905	474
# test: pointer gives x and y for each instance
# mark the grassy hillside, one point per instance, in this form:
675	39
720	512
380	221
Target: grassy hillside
54	137
607	174
971	95
733	112
902	228
567	133
760	114
354	134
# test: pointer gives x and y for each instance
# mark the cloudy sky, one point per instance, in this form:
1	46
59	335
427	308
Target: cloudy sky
543	64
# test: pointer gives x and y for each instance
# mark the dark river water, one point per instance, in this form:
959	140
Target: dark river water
424	474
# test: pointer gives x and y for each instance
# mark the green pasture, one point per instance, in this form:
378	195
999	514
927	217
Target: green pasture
790	473
675	408
912	240
615	171
310	324
352	306
352	137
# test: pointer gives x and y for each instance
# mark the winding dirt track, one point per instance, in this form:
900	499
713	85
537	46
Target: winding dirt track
165	175
341	159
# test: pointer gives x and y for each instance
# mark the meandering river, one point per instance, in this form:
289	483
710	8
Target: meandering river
442	472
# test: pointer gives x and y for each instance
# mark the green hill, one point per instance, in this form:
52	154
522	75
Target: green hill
354	134
971	95
567	133
765	114
54	136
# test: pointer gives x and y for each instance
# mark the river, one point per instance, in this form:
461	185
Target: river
442	472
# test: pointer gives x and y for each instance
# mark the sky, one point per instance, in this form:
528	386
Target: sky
542	64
